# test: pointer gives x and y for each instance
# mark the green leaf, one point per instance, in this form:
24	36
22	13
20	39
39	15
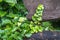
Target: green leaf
28	35
1	31
20	38
39	19
18	6
11	15
1	0
11	2
22	19
46	24
2	13
14	29
6	21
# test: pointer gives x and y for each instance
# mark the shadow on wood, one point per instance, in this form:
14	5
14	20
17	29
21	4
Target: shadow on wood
51	11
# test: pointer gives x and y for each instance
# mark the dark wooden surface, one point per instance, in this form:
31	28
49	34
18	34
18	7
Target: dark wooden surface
45	35
51	11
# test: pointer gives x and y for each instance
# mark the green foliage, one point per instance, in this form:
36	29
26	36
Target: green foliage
38	15
13	22
11	2
0	0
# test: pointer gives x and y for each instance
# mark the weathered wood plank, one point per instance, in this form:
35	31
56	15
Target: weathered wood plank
51	11
45	35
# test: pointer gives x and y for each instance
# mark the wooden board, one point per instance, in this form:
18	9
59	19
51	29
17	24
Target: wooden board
51	11
45	35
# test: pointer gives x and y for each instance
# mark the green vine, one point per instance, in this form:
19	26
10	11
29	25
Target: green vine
13	22
38	14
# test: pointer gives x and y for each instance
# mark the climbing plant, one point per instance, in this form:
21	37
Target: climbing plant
13	22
